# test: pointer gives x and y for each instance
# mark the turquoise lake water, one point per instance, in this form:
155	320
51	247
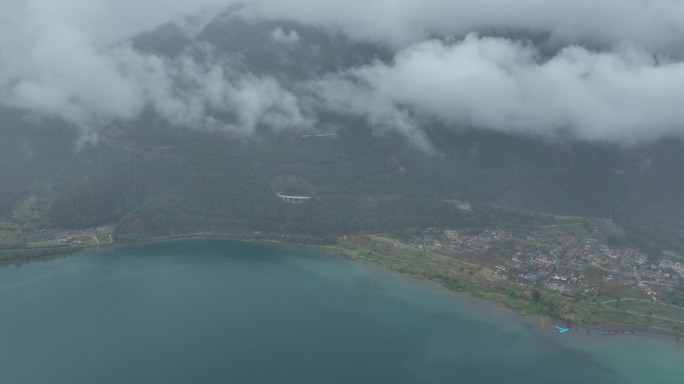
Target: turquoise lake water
231	312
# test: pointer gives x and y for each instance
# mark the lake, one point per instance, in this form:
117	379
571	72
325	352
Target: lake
215	311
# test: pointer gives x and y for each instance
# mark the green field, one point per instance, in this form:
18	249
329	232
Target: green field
104	237
43	244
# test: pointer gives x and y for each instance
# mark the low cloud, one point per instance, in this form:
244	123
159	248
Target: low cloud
96	89
280	36
60	67
626	96
657	26
609	71
188	93
56	57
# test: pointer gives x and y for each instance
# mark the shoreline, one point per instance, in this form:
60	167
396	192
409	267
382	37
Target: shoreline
541	322
118	244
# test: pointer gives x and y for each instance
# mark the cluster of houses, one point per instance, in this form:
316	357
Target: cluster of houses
557	261
79	236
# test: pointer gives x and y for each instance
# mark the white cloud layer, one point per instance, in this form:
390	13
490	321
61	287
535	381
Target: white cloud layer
617	73
280	36
654	25
58	58
494	83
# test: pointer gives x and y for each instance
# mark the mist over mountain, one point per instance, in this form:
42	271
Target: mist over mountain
607	72
162	126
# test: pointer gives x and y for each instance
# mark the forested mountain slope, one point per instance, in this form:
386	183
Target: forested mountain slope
152	177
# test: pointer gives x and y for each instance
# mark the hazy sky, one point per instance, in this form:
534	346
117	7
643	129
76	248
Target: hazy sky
609	70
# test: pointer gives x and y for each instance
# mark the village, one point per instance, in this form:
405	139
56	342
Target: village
553	259
79	237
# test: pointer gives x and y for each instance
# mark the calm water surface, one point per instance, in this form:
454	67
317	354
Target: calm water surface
231	312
